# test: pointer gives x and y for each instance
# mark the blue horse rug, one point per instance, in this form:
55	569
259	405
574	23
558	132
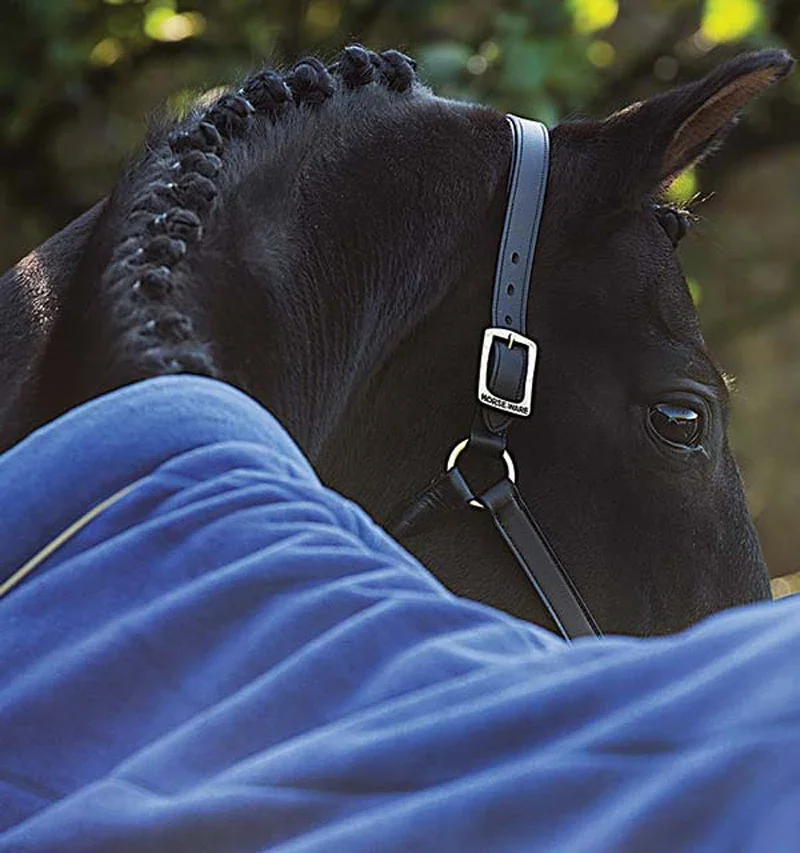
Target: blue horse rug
204	649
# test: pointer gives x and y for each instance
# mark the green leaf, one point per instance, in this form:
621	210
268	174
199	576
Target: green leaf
589	16
443	61
683	188
730	20
526	65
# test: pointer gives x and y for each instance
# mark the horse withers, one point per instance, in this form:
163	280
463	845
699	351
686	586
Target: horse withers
325	239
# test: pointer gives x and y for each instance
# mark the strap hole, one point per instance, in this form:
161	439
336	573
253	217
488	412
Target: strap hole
509	319
515	257
510	290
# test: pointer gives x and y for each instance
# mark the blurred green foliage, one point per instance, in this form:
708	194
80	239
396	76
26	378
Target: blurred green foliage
98	65
79	77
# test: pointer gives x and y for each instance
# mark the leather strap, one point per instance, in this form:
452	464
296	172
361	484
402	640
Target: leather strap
507	374
526	193
448	491
527	542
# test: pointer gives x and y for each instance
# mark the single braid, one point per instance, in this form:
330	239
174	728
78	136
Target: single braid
397	70
355	67
358	67
310	82
169	213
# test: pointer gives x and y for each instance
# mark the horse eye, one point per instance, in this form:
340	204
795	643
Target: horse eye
676	425
674	222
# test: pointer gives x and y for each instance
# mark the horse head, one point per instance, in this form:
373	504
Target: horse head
325	239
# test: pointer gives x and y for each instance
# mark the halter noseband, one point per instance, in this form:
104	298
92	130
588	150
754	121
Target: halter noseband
505	392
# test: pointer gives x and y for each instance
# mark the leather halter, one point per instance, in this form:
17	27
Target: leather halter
505	392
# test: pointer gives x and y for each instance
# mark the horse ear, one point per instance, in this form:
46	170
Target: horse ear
670	132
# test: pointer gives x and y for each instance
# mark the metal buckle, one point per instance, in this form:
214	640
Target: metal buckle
524	407
457	451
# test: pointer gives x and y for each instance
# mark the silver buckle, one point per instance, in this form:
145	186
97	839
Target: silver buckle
524	407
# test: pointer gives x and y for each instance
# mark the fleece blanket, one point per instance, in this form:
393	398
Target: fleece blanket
204	649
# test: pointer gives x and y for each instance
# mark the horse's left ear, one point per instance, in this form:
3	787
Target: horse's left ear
664	135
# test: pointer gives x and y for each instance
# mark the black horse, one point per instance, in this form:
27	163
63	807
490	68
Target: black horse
325	239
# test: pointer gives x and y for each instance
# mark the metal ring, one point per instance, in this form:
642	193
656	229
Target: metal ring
511	471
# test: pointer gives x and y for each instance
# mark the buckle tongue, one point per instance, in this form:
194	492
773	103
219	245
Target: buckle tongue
522	407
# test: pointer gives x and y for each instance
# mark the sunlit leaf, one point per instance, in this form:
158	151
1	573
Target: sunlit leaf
490	51
730	20
165	25
695	291
601	54
106	52
589	16
683	188
323	17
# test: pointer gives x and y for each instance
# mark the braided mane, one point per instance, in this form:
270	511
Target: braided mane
176	198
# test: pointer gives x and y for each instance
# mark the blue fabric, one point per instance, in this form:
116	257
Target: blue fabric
233	658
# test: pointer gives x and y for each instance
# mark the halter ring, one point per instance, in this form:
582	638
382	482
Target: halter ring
511	471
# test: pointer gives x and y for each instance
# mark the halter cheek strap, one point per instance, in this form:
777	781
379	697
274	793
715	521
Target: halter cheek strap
508	357
505	392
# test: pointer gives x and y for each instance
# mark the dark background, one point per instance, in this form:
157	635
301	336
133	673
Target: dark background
78	79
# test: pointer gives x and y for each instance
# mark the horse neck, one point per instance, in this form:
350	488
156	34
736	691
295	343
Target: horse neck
330	252
349	358
369	269
400	422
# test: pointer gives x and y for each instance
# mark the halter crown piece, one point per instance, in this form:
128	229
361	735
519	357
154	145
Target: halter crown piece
505	392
